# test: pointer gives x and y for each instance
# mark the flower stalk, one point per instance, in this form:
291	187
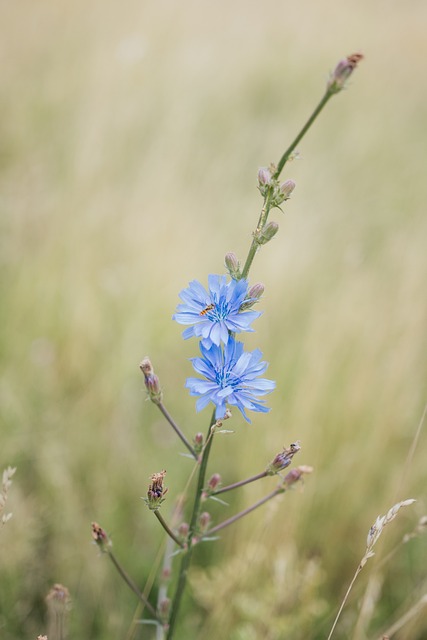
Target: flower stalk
168	529
186	559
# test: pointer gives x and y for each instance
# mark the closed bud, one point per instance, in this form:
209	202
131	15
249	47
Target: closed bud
267	233
283	459
342	72
204	521
151	381
156	491
233	265
198	442
214	482
286	189
58	605
295	475
254	294
265	180
264	176
164	608
183	530
256	291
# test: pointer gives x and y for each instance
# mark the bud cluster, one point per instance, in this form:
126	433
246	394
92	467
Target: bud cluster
269	185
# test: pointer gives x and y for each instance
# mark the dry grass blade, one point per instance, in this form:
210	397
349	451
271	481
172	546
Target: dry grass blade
374	533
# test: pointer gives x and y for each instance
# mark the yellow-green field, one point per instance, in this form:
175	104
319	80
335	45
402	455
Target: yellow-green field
130	138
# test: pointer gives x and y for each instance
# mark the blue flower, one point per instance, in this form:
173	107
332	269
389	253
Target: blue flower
231	377
216	313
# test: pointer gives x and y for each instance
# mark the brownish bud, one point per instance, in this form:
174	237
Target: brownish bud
156	491
214	482
283	459
183	530
204	521
100	536
342	72
58	605
151	381
198	442
295	475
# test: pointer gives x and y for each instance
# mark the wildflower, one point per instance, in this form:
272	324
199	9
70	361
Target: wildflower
214	313
231	378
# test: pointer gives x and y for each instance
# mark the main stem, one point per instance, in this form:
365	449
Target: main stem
186	560
283	160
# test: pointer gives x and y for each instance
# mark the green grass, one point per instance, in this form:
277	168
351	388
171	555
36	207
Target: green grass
130	138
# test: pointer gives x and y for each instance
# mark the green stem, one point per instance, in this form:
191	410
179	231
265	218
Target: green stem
167	528
285	157
302	133
245	512
186	560
255	244
239	484
177	429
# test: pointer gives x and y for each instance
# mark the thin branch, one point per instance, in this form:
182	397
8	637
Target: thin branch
241	483
132	585
236	517
167	529
177	429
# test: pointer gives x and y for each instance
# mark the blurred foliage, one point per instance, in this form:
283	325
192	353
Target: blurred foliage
130	138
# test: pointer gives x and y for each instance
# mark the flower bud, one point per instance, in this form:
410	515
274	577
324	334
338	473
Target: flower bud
254	294
267	233
264	176
183	530
198	442
256	291
214	482
164	608
204	521
233	265
283	459
152	383
58	605
286	189
100	537
156	491
342	72
295	475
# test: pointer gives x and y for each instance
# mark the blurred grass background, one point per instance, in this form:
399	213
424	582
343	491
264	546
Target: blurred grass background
130	138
